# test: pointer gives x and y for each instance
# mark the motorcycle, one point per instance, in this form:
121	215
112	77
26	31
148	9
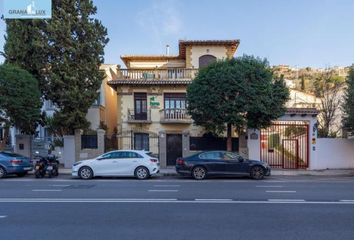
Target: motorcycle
46	166
52	166
40	167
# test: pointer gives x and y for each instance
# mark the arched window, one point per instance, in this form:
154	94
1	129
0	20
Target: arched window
205	60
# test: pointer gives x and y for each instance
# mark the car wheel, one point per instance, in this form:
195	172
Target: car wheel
257	172
21	174
141	173
2	172
85	173
199	173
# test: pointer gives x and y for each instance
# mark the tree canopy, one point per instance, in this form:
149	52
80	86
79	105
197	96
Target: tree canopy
65	53
240	93
348	106
327	87
19	98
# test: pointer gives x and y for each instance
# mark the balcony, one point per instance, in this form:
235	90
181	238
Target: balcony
144	117
170	75
175	115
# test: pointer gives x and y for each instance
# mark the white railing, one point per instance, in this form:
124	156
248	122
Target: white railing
157	74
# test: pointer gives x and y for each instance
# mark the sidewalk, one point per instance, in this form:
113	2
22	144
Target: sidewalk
170	171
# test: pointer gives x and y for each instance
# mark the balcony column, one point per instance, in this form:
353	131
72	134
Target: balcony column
162	148
185	143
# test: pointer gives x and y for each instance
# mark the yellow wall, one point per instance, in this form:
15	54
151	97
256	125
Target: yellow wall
126	101
158	64
110	111
220	52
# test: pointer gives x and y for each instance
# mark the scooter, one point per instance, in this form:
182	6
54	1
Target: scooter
52	166
40	168
46	166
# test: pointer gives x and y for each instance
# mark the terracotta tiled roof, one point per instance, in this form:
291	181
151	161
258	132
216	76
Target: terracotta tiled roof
148	82
311	111
182	50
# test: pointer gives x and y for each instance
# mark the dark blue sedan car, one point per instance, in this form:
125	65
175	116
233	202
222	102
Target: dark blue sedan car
203	164
12	163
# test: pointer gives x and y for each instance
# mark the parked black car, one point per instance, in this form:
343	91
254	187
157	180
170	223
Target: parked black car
207	163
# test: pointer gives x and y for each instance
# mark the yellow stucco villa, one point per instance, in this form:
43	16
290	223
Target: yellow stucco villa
151	97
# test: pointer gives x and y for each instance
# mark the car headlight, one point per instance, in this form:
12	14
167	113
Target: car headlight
265	164
77	163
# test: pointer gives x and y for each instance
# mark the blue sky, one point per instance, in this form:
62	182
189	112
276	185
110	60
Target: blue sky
316	33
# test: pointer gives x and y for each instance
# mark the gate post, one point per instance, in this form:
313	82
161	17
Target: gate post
100	141
162	148
254	144
23	145
185	143
69	150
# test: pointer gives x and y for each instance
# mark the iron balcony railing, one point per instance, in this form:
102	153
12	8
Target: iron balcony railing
134	116
175	115
157	74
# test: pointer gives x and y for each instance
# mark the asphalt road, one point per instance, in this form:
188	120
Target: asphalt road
170	208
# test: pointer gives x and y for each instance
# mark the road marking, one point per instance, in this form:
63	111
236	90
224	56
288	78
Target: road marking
3	216
347	201
60	185
165	200
167	185
47	190
212	199
268	186
281	191
83	200
286	200
183	180
155	190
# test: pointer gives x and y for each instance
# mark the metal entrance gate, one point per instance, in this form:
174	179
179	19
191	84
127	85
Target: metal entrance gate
138	140
286	145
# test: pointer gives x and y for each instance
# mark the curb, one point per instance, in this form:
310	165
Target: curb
293	174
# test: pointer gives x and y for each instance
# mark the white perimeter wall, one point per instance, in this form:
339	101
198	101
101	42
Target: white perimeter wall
334	153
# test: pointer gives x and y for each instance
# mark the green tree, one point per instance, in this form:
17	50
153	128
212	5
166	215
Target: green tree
65	53
327	87
238	93
348	106
25	46
19	98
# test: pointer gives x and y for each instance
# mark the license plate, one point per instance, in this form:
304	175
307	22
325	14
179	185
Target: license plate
27	168
50	168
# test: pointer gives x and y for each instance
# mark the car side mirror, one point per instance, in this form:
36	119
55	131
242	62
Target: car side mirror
240	159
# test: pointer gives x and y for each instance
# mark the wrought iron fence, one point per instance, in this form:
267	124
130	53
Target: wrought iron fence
89	141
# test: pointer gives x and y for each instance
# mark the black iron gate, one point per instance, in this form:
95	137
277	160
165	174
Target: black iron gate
286	145
138	140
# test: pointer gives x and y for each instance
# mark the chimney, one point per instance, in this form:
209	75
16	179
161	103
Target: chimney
167	50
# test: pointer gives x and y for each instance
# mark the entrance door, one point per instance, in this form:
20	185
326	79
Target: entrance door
140	106
290	153
174	148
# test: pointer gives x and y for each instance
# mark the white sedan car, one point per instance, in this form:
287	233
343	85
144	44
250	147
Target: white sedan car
138	163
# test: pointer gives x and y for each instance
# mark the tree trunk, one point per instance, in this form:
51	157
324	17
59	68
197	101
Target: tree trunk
229	138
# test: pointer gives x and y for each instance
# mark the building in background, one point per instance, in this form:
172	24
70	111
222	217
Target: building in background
151	98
